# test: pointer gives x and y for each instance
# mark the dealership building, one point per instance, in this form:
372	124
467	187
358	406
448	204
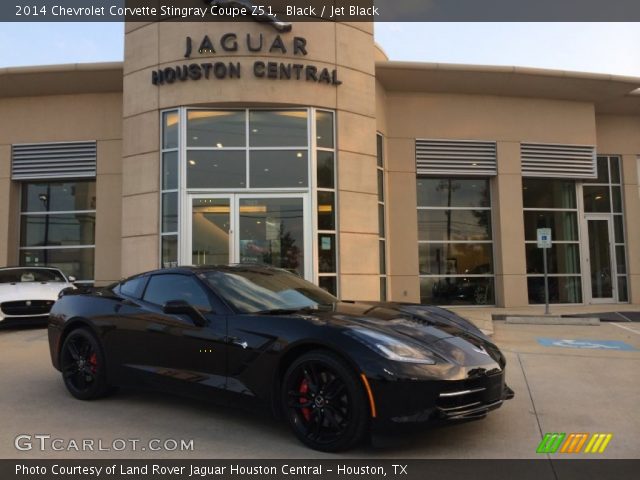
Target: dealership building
307	149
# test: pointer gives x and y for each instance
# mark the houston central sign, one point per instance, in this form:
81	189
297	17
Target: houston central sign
232	43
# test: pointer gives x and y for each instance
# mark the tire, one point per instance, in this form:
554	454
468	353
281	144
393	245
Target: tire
324	402
82	363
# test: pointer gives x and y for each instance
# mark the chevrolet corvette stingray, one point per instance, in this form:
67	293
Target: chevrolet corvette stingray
332	369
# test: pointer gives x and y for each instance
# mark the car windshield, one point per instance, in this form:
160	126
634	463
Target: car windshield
252	290
26	275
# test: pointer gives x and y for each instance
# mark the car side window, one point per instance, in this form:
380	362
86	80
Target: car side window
133	288
164	288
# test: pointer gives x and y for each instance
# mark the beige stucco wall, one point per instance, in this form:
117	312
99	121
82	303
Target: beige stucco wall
61	118
349	48
506	120
620	135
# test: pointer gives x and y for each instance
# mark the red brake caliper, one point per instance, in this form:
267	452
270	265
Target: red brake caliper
304	388
93	361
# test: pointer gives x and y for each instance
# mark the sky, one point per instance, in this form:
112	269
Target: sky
589	47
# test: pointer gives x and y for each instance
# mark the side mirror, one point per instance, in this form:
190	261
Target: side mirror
71	279
180	307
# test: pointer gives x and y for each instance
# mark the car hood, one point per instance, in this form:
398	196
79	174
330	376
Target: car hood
31	291
442	331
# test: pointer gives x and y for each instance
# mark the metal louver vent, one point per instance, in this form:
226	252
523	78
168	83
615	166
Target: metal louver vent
35	161
561	161
455	157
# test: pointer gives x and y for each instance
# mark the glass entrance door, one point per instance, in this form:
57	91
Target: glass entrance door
601	270
211	230
250	228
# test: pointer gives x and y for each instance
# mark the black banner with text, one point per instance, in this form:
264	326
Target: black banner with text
336	469
280	12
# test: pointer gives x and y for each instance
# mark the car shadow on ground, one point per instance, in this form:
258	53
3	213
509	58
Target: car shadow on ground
262	423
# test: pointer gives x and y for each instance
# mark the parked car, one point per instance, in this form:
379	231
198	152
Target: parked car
28	293
332	369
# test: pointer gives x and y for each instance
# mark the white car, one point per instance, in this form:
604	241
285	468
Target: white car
28	293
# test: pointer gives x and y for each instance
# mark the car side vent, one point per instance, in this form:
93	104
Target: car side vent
456	157
559	161
35	161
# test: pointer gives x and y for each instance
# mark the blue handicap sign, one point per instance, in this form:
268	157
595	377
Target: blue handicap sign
585	344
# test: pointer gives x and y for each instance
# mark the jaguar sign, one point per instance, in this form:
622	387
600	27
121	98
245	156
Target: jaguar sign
229	44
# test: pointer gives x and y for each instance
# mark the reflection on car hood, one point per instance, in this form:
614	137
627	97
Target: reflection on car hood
30	291
443	331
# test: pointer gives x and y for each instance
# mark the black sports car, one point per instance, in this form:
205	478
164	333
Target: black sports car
333	369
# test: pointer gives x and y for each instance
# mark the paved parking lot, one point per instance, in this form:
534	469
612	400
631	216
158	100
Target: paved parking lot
557	390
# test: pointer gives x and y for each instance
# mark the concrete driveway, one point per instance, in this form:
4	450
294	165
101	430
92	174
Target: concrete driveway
557	390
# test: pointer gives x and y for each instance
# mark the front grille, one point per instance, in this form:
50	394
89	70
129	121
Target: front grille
460	398
26	307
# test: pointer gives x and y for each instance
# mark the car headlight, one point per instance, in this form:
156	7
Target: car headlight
392	348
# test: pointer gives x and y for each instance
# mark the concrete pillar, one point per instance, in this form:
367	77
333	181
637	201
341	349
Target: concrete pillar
508	226
5	197
402	220
108	212
359	259
9	211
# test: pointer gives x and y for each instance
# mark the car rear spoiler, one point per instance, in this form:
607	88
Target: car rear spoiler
78	289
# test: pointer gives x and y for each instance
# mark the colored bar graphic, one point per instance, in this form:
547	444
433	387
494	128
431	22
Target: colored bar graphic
598	443
581	442
550	443
573	442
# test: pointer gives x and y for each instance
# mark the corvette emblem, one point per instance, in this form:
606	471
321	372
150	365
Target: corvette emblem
28	303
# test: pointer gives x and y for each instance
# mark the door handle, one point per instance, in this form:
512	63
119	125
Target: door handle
238	342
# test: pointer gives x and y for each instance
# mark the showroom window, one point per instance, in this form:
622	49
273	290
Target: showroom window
455	241
382	236
551	203
57	227
247	149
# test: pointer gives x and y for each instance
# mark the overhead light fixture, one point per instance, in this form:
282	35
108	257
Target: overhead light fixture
253	209
219	145
192	162
212	209
299	155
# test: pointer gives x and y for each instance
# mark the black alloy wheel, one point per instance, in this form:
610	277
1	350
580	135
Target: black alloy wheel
324	402
82	364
